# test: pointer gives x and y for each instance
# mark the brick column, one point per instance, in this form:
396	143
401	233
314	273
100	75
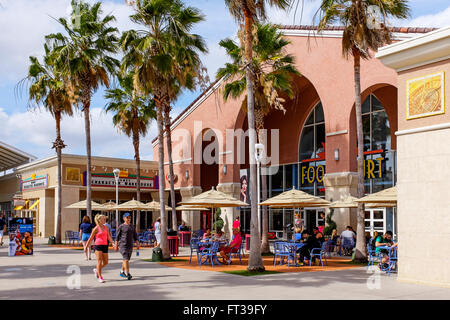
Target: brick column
192	218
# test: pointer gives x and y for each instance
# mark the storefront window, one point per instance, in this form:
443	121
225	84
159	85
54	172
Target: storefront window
379	159
312	153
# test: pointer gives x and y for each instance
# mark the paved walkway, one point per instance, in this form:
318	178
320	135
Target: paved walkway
45	275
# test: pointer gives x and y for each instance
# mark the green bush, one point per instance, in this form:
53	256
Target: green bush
330	224
218	225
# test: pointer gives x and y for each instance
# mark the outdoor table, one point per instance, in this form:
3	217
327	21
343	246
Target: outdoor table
173	245
207	244
390	249
185	238
295	246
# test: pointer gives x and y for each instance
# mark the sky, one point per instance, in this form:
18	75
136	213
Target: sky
24	24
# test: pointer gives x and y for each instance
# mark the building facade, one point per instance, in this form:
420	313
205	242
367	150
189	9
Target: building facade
423	67
38	189
312	146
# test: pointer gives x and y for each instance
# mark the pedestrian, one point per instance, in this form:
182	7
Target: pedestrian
101	235
125	237
157	227
85	232
2	228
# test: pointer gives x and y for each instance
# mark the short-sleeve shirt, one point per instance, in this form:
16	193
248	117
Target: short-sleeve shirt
236	243
157	230
236	224
86	228
381	239
348	234
2	224
126	235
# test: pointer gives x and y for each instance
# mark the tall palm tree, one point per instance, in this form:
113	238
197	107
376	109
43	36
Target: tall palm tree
47	87
361	36
273	74
164	58
84	56
247	12
132	115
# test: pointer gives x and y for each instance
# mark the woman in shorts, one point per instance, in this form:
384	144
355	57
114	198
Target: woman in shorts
85	232
101	235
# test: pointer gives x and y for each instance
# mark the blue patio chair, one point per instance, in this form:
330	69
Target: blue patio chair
347	244
209	253
319	252
284	250
392	261
238	254
194	245
67	236
372	254
198	233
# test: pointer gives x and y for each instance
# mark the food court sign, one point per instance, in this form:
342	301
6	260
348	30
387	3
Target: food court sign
34	183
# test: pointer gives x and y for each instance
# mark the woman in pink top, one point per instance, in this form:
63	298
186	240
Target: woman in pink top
236	224
101	235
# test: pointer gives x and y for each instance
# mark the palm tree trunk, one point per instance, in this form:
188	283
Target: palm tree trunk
87	129
265	219
138	176
58	145
255	262
360	254
171	173
160	120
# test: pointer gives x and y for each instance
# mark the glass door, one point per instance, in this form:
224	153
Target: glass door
375	220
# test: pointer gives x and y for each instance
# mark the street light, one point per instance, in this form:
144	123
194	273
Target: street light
116	178
259	155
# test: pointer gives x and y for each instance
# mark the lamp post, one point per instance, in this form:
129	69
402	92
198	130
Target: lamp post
259	155
116	178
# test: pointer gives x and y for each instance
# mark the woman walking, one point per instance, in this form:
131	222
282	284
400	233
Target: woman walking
85	232
101	235
157	227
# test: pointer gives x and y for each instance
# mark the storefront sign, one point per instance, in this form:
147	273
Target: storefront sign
34	183
425	96
108	180
18	202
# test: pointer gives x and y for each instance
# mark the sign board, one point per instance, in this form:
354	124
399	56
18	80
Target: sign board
20	236
18	202
425	96
34	183
107	180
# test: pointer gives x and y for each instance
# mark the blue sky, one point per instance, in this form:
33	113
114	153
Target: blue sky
27	22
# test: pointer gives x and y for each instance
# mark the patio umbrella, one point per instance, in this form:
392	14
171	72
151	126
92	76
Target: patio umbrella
214	199
109	206
348	202
156	206
83	205
384	196
191	208
295	199
131	205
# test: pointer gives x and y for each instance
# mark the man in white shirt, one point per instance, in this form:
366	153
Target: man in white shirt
348	240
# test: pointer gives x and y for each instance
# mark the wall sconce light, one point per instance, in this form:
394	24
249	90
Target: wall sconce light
225	169
336	154
186	174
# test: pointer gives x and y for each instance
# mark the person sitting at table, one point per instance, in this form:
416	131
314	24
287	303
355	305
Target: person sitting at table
383	241
333	240
297	236
310	242
183	227
207	235
348	236
219	236
234	246
319	235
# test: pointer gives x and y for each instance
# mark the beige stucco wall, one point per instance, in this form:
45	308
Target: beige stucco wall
424	207
8	186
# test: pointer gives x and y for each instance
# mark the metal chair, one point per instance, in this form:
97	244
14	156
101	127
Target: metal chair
284	250
238	253
392	260
194	245
319	252
347	244
372	254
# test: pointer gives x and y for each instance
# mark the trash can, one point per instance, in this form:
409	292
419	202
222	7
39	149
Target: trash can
173	245
185	238
157	254
51	240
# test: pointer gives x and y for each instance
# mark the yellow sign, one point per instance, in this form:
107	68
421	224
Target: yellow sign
425	96
123	174
73	174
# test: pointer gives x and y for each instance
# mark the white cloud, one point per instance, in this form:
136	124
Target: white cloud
437	20
34	132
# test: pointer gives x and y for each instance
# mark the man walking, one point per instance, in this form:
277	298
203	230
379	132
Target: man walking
2	227
125	237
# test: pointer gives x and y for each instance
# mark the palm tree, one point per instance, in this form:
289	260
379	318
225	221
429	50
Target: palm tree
247	12
132	115
47	87
84	56
361	36
273	74
164	58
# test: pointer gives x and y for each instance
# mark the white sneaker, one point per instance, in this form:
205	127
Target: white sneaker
95	272
100	279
